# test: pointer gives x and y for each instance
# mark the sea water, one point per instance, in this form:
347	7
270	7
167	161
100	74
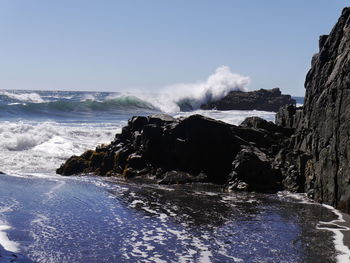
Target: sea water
49	218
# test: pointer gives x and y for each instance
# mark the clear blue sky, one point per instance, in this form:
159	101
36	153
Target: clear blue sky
116	45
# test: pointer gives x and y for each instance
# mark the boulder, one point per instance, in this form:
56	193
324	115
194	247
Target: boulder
74	165
252	170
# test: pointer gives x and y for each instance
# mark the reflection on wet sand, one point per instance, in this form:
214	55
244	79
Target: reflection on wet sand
254	226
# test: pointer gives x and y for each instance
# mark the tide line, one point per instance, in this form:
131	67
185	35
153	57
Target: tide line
344	256
5	241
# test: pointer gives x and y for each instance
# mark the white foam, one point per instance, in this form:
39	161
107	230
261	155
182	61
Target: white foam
29	147
205	254
217	86
344	256
235	117
25	97
41	228
134	203
55	146
300	197
51	193
5	241
23	136
88	97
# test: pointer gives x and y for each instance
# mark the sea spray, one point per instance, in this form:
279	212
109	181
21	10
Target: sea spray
173	98
217	86
190	96
29	147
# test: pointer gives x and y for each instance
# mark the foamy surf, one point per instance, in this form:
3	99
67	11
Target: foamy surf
234	117
89	219
31	97
30	147
5	242
335	226
172	98
338	225
7	246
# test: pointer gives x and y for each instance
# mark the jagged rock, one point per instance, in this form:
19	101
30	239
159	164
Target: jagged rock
289	116
323	125
136	161
74	165
258	123
178	177
185	150
252	170
266	100
292	167
137	122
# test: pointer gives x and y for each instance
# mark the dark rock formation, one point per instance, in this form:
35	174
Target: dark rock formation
266	100
307	151
252	170
321	141
187	150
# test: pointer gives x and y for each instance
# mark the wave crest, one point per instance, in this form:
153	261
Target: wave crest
190	96
173	98
23	97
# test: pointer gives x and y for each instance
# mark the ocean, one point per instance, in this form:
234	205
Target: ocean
49	218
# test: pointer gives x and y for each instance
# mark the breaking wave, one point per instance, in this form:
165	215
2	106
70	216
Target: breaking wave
190	96
173	98
121	103
31	97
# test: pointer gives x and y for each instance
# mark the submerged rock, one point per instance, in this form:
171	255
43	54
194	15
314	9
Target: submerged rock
266	100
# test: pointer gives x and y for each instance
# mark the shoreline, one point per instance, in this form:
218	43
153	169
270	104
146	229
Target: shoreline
340	228
158	208
346	233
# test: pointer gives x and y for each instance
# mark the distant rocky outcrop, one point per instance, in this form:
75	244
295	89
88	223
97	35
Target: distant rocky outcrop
322	126
265	100
188	150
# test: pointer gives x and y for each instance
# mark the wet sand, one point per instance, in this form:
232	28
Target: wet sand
88	219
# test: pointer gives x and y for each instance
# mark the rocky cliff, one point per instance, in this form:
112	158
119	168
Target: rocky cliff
323	125
266	100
